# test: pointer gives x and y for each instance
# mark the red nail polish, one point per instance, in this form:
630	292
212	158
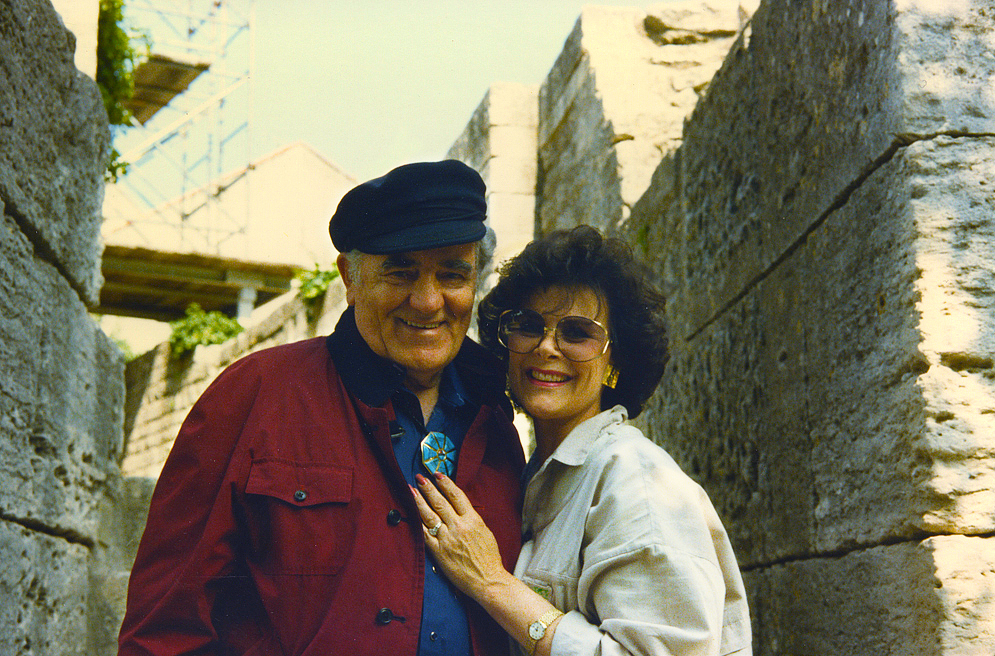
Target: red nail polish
421	479
439	476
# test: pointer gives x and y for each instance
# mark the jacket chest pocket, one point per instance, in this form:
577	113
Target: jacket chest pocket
300	516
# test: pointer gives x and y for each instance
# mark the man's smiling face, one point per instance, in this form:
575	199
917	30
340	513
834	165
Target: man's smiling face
414	308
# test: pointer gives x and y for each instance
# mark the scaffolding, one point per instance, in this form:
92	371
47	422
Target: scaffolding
192	109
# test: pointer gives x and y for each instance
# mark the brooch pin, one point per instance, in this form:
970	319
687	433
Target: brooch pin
438	454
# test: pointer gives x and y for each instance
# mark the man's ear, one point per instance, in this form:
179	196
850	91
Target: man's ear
342	262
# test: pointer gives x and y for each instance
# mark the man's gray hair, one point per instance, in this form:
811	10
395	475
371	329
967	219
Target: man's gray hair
485	252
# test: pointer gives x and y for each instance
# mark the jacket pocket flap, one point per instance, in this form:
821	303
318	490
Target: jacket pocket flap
300	484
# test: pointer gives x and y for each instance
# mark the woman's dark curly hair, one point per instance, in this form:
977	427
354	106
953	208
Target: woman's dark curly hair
582	257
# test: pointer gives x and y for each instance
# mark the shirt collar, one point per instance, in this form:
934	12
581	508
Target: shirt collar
452	396
577	445
573	451
452	391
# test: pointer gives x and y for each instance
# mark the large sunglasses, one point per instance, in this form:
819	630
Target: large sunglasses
579	339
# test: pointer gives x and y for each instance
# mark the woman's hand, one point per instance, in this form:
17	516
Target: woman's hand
468	554
456	535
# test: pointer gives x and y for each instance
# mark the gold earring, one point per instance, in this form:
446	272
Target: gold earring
611	376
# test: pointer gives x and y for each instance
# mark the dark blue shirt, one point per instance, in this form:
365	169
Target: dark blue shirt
444	627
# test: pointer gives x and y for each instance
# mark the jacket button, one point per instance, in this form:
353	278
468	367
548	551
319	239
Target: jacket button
384	616
300	495
393	518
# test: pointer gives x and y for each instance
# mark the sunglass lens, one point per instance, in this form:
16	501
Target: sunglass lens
526	322
580	339
522	330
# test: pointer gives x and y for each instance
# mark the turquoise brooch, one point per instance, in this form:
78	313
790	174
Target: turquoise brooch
438	454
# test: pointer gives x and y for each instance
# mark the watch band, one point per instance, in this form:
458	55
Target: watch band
538	628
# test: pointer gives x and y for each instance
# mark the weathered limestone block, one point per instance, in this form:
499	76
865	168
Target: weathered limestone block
902	381
616	99
950	182
908	599
500	142
862	359
847	397
43	594
810	98
53	142
965	570
503	125
60	397
123	516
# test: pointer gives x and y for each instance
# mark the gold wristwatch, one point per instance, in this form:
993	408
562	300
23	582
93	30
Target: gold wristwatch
538	628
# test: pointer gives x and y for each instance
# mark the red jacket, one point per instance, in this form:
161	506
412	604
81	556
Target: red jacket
281	522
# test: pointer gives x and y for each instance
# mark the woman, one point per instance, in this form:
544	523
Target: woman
623	553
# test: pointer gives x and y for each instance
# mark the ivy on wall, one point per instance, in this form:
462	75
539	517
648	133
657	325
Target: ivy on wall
200	327
314	283
116	58
115	62
312	286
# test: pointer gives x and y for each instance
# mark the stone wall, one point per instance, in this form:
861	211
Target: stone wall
500	142
826	235
62	389
616	100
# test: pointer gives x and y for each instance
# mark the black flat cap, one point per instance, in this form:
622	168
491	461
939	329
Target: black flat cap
414	207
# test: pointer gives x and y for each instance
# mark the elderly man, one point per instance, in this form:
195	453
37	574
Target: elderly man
283	522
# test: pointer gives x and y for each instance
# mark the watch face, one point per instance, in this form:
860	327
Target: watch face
536	630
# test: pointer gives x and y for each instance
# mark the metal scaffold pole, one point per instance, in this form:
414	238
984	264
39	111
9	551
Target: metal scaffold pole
190	136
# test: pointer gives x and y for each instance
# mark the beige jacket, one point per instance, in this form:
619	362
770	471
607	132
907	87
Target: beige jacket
631	549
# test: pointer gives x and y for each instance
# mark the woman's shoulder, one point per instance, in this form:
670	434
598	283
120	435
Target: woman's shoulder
643	494
622	445
630	464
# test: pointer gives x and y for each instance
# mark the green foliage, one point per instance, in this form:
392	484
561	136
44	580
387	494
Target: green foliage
115	62
116	167
200	327
116	59
313	284
643	239
127	352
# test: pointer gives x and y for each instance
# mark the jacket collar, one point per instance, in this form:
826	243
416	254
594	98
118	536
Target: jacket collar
374	379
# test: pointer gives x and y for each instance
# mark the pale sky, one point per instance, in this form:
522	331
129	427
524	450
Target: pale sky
378	83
